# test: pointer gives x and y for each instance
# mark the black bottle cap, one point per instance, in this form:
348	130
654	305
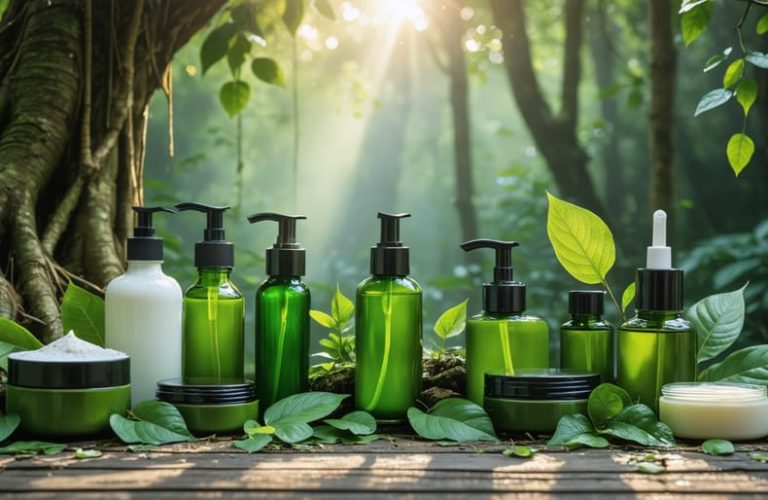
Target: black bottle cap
659	290
503	295
69	374
286	257
214	251
390	257
144	245
586	302
545	384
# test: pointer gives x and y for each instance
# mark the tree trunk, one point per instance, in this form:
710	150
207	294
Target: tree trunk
663	65
75	85
554	134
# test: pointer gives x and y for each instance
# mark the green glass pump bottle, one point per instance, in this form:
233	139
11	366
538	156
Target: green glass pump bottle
388	329
282	316
502	338
657	346
586	340
213	313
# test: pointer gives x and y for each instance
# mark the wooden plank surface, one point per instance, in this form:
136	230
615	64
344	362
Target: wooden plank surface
398	467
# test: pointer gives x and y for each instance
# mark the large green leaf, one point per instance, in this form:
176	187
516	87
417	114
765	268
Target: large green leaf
8	424
713	99
267	70
748	365
360	423
739	150
574	431
303	408
695	20
637	423
17	336
452	322
153	422
746	93
718	320
453	419
216	45
83	313
234	96
605	402
294	13
582	241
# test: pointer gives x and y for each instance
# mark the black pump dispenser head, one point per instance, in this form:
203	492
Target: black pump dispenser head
390	257
503	295
144	245
214	251
286	257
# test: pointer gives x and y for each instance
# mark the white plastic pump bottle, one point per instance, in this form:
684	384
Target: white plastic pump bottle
143	311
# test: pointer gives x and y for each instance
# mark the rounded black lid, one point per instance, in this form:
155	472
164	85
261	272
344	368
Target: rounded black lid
390	257
68	374
659	290
541	384
206	391
286	257
586	302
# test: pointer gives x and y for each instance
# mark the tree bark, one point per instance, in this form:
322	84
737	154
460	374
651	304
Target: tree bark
77	76
663	64
553	133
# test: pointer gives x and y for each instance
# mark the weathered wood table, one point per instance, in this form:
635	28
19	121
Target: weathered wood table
402	466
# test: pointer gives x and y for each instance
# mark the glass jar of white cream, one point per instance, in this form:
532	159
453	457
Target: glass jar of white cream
709	410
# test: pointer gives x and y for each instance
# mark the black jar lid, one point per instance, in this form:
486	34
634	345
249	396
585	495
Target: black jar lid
68	374
206	391
544	384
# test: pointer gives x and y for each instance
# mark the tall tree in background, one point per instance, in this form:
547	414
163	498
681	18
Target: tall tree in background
555	134
76	78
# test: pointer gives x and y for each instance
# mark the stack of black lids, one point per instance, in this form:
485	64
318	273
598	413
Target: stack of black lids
206	391
545	384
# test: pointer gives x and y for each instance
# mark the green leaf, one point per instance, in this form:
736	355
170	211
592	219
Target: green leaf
748	366
253	444
358	422
292	432
294	13
574	431
303	408
746	93
628	296
83	313
323	319
718	320
605	402
452	321
82	454
638	423
713	99
8	424
325	9
694	21
234	96
519	451
762	25
649	468
32	448
739	150
342	309
237	52
717	447
267	70
452	419
734	73
216	45
16	335
582	242
153	422
758	59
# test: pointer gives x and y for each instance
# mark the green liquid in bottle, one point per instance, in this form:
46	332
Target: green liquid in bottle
212	340
587	345
282	338
388	346
503	344
655	348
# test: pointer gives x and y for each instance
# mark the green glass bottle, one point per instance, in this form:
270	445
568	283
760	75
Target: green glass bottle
388	345
282	316
502	338
214	309
586	340
657	346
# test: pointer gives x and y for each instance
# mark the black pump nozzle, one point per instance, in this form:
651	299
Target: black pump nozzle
144	245
214	251
503	295
390	257
286	257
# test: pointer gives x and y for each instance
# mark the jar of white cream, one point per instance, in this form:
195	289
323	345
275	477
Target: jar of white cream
709	410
